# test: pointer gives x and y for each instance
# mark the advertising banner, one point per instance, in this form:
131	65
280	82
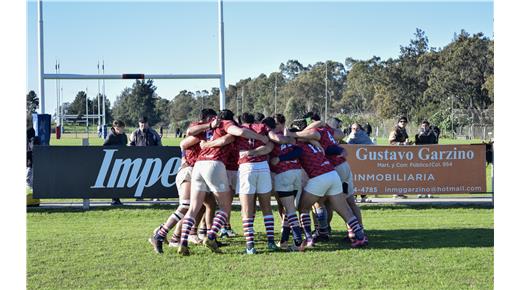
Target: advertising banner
105	172
425	169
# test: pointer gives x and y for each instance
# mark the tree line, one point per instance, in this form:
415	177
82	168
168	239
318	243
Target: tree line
423	82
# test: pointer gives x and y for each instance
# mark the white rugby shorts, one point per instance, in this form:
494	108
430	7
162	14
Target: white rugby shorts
345	174
232	178
209	176
184	175
289	180
254	178
326	184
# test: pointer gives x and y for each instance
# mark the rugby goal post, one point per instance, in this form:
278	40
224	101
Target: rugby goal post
59	76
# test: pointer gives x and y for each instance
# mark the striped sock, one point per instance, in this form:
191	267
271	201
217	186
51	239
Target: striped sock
249	232
219	220
161	233
269	228
306	225
286	230
322	217
176	238
194	230
186	228
353	223
296	229
203	231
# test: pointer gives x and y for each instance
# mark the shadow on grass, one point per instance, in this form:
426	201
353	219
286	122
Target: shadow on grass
416	239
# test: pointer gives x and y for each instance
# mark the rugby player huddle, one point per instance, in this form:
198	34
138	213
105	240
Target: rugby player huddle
304	164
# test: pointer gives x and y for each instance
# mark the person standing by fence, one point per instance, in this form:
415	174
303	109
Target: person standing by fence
145	136
116	137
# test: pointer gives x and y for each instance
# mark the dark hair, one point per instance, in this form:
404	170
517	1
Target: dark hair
269	122
299	124
403	118
279	118
205	113
226	115
143	119
118	123
426	122
313	115
359	126
247	118
368	128
259	117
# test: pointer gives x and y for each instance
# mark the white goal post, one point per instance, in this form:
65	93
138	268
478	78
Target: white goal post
59	76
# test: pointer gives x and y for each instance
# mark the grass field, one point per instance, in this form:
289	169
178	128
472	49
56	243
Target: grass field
420	247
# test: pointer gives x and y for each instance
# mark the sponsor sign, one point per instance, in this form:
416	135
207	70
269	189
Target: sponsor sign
425	169
105	172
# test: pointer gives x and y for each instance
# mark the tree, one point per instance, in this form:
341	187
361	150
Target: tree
292	69
33	102
162	108
77	107
140	100
360	83
182	108
465	74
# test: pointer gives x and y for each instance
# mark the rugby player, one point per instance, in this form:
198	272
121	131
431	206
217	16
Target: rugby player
328	135
209	175
287	179
254	180
324	181
190	150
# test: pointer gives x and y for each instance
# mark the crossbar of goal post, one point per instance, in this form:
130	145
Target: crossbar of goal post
43	76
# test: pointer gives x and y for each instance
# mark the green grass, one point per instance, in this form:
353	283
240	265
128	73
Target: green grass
410	247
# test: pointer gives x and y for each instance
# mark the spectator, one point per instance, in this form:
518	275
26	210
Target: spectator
161	131
145	136
31	141
426	134
368	129
399	136
358	135
178	133
116	137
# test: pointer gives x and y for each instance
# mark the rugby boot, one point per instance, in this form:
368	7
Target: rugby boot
360	243
212	245
271	246
157	244
251	251
183	251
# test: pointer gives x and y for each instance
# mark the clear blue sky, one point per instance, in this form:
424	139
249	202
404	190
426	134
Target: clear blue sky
181	37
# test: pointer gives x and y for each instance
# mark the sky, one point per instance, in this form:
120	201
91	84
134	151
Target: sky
181	37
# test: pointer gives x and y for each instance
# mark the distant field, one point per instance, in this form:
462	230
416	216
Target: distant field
411	247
